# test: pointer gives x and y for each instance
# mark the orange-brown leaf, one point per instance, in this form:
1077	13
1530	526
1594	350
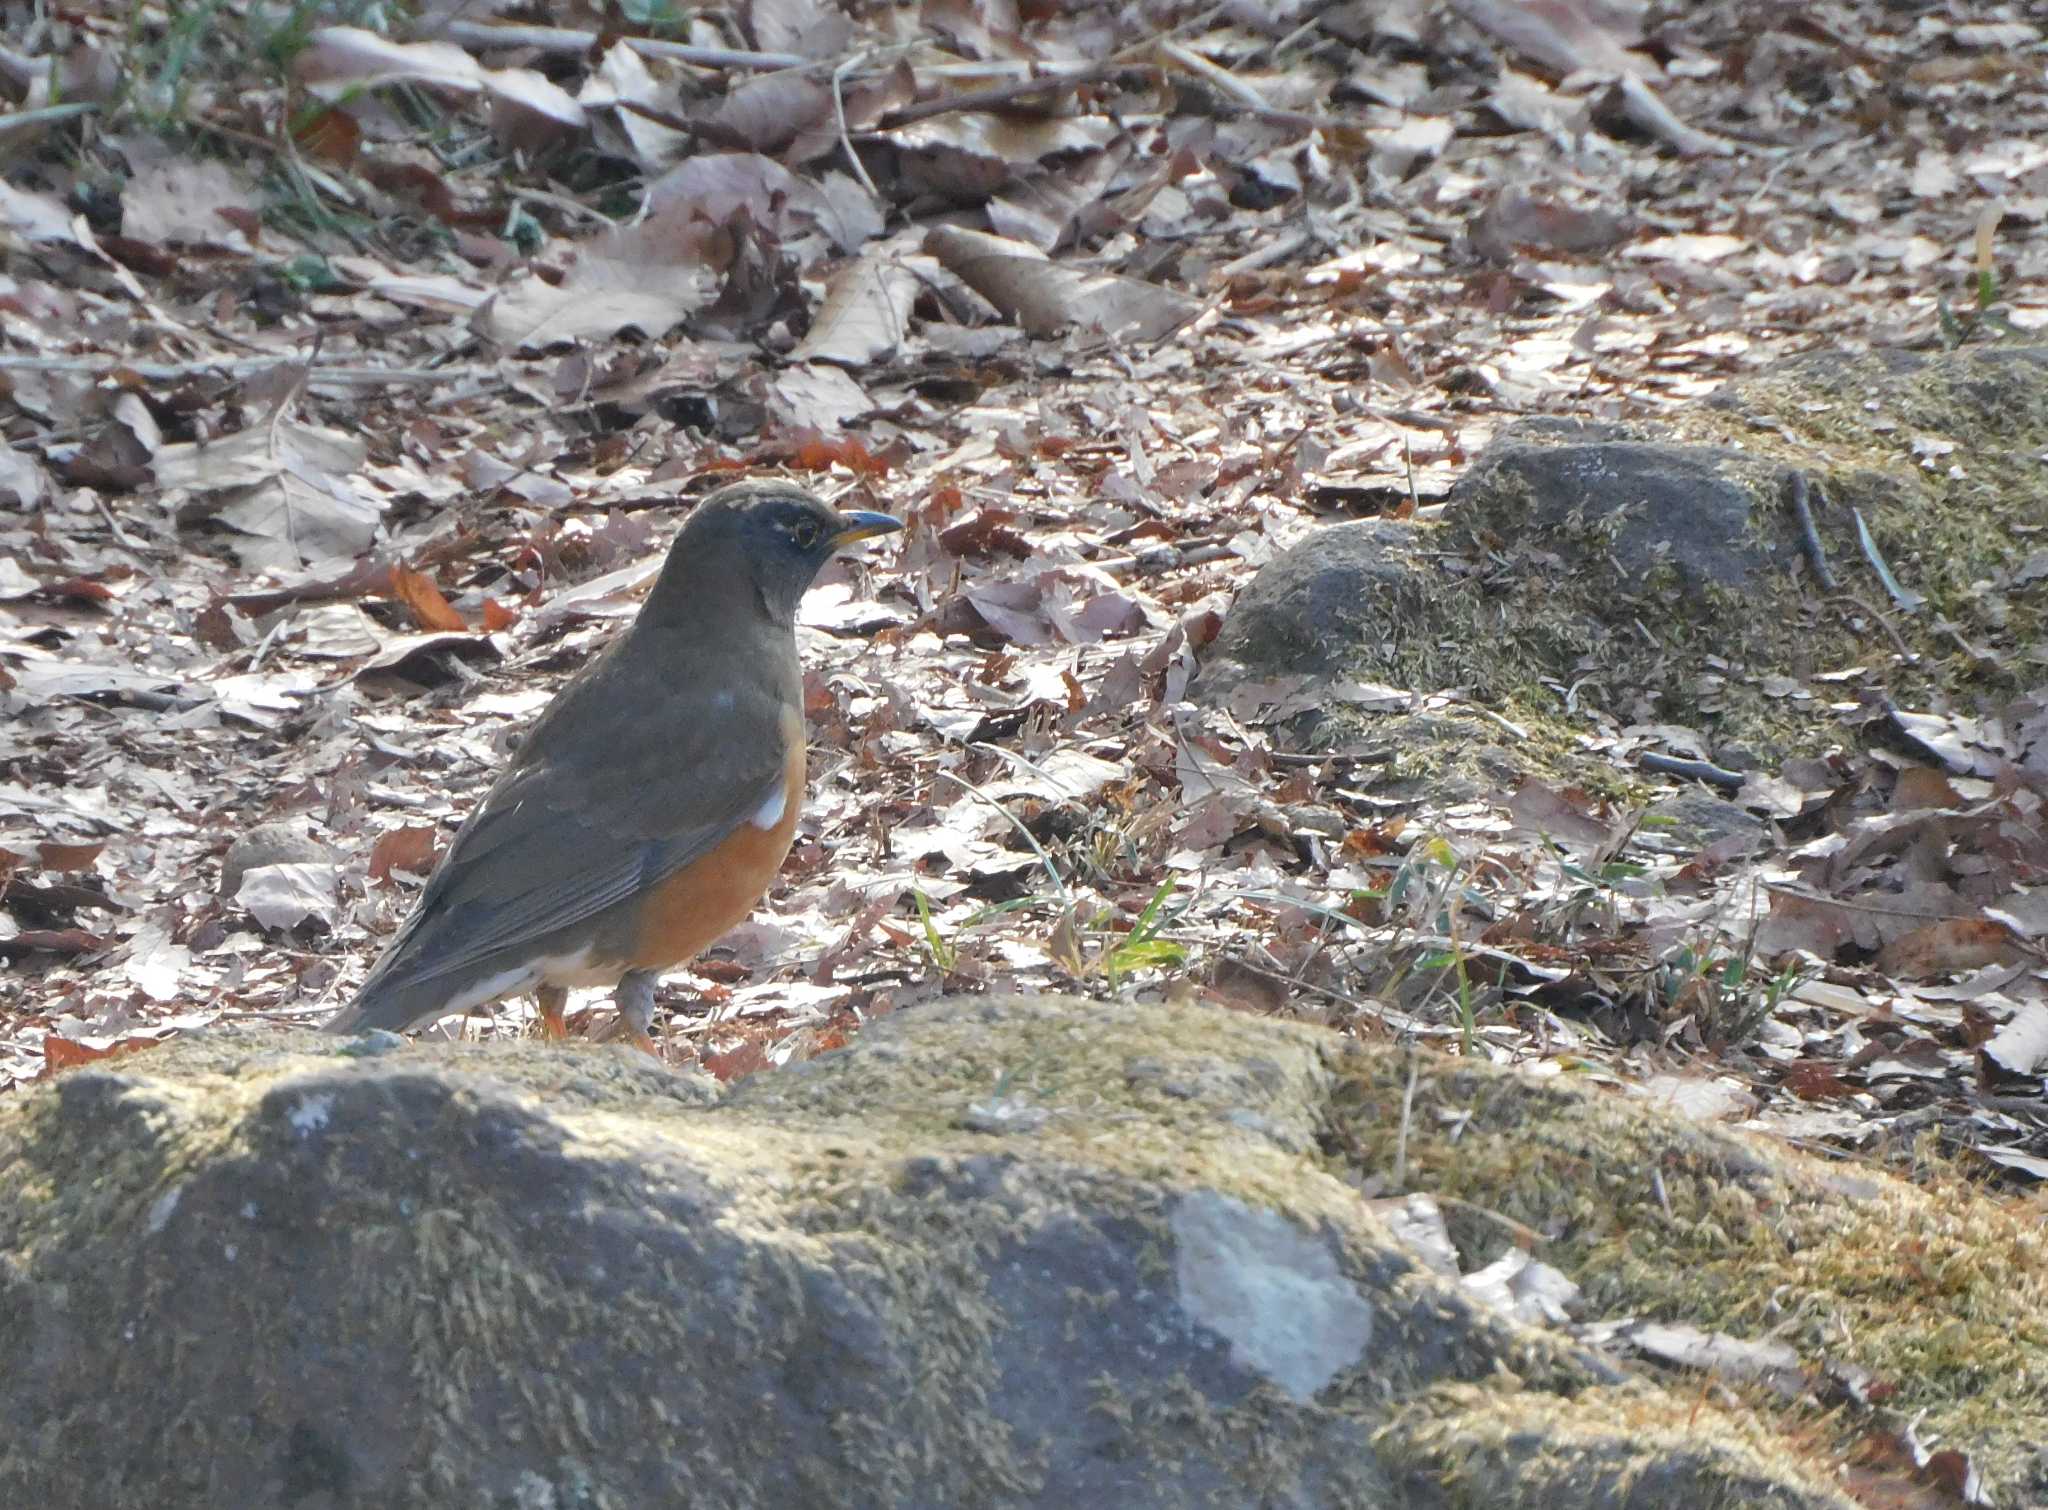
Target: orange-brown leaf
431	611
409	849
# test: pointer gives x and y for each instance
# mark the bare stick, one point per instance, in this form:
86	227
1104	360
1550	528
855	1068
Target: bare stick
170	372
1809	537
860	170
994	95
1407	1113
1694	770
563	39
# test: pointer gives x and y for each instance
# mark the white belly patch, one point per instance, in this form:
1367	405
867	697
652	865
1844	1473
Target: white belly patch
769	813
491	987
570	970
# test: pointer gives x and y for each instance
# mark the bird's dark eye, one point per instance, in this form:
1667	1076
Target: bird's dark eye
806	534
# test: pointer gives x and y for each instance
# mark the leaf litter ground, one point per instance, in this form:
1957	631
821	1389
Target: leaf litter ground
350	406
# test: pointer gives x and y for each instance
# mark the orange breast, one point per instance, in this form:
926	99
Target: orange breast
689	910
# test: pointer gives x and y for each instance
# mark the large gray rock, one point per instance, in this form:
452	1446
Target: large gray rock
1308	610
1628	508
1006	1251
1587	577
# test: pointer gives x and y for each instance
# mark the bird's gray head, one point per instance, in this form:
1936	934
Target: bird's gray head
762	541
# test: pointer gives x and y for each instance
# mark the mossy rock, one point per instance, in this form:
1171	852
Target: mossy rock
1934	1293
1330	637
1003	1251
1585	577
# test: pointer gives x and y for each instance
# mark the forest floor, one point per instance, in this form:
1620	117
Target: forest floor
354	384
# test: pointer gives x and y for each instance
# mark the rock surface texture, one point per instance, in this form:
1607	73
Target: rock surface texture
1662	573
1001	1251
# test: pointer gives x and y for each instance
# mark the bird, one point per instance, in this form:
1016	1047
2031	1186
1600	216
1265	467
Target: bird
651	804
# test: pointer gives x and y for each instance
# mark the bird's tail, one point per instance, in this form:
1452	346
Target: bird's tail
383	1003
353	1018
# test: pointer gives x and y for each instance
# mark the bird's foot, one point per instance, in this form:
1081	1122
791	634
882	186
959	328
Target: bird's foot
635	1001
552	1000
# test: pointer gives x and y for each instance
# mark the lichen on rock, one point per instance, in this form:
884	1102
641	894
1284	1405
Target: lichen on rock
262	1269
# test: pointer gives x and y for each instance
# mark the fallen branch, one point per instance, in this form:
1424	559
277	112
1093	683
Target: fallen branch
1691	770
1809	537
171	372
564	39
995	95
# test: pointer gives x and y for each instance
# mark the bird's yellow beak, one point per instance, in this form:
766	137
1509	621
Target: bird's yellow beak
864	524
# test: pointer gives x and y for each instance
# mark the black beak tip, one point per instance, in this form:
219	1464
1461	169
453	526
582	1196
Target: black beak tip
864	524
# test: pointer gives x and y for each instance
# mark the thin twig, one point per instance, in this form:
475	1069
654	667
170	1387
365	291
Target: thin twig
860	170
1059	883
985	99
170	372
564	203
1222	79
563	39
1905	597
1277	250
1407	1114
1242	93
1527	1235
1878	614
1691	770
1809	537
1494	718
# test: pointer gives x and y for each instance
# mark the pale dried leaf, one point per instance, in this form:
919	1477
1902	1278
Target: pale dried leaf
817	397
1047	298
180	199
865	316
647	277
2020	1046
33	217
284	896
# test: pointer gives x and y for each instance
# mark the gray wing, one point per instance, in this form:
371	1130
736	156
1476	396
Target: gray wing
606	798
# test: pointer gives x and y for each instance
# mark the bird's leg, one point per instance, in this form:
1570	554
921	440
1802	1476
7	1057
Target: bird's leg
551	1000
635	1001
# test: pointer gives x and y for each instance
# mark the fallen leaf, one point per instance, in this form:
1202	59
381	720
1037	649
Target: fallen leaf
430	610
865	316
1048	298
284	896
2020	1047
647	276
1952	944
410	848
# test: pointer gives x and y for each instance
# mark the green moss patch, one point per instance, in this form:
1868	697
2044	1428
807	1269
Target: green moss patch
1935	1291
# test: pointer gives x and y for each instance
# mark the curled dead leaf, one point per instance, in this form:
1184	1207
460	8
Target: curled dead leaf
410	849
423	600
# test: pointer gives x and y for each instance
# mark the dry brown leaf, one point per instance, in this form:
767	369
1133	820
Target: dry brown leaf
2020	1047
286	488
338	62
410	848
1564	816
284	896
423	600
1953	944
